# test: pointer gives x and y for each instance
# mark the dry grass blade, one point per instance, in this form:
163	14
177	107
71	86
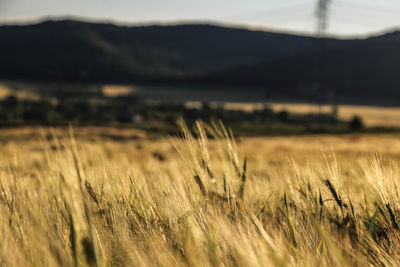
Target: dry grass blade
73	240
372	224
333	249
335	195
91	192
92	252
392	217
292	230
200	184
243	179
263	205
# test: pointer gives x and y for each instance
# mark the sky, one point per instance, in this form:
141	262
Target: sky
346	17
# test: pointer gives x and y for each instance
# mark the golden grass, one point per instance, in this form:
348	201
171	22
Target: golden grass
117	90
372	116
7	90
88	200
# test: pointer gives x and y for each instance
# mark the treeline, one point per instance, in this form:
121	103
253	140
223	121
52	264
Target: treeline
132	111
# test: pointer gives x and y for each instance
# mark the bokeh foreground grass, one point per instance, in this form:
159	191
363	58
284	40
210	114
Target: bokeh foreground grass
197	201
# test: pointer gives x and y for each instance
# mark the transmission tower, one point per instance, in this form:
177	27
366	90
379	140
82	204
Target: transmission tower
322	17
322	13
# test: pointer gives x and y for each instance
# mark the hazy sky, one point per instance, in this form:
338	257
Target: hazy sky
346	16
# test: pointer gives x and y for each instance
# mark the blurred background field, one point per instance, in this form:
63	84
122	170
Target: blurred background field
141	145
132	103
371	115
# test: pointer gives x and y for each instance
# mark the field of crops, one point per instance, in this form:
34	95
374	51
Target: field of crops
108	197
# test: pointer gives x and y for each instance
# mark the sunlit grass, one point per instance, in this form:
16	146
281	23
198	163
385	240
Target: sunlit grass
81	198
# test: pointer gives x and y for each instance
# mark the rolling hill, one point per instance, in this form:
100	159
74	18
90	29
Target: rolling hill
72	50
283	64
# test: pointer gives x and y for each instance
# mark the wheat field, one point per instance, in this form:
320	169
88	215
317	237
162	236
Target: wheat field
107	197
373	116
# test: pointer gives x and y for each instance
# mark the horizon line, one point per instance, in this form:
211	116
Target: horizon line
262	28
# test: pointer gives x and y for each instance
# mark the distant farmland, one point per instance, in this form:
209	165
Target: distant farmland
247	100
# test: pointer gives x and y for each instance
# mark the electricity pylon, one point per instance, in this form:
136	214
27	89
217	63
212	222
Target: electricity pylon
322	13
322	17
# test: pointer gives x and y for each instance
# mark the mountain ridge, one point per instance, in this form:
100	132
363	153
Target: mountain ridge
77	51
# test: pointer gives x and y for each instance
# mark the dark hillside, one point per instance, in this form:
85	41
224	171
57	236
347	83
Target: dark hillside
285	65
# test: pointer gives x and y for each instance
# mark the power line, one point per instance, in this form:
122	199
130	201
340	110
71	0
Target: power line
296	17
366	15
359	17
360	6
282	10
347	21
359	21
